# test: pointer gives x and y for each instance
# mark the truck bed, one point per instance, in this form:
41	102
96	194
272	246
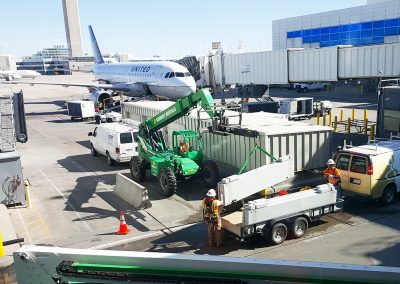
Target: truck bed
232	222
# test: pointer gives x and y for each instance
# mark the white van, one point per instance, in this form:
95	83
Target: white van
115	141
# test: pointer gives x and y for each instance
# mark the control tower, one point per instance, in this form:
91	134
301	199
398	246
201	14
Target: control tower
72	28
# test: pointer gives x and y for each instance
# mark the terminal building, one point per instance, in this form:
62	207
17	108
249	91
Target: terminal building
377	22
48	61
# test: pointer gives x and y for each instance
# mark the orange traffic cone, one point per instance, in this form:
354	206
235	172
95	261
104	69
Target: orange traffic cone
123	228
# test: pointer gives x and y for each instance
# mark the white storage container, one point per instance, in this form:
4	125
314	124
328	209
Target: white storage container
81	109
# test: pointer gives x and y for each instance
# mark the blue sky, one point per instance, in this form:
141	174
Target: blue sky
172	28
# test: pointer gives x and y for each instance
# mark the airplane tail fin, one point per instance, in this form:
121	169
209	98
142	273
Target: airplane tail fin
95	47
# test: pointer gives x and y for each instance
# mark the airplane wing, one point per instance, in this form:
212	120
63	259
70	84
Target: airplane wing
124	87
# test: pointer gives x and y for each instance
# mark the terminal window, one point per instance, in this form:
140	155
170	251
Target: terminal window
365	33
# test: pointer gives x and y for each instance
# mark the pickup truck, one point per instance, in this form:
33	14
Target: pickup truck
306	87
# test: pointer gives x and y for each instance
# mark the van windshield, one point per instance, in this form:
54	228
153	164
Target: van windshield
125	138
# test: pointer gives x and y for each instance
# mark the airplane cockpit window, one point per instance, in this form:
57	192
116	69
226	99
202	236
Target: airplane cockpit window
187	74
172	75
167	75
179	74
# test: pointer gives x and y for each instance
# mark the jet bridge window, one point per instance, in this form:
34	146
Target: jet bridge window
179	74
172	75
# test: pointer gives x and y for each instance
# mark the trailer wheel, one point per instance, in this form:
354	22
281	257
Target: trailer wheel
210	173
278	233
299	227
97	119
138	169
167	181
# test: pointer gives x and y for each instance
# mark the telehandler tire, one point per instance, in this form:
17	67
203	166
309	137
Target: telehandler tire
138	169
167	181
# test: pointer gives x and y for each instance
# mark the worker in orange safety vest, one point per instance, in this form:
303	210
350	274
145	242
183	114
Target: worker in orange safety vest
211	215
332	175
183	146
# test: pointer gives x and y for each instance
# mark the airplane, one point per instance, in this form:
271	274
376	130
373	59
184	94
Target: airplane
161	79
18	74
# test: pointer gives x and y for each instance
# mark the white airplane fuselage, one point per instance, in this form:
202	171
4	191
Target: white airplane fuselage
164	79
18	74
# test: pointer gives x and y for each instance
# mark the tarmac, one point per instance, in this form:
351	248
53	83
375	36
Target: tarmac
8	233
74	206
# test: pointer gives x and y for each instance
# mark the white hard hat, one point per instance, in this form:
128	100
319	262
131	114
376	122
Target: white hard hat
330	162
211	193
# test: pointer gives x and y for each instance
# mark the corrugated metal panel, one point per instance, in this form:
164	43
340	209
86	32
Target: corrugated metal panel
309	144
367	61
268	67
313	65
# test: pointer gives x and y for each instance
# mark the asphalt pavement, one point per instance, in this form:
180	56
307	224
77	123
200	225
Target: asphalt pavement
74	204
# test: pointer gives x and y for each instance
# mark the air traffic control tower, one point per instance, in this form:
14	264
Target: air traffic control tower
72	28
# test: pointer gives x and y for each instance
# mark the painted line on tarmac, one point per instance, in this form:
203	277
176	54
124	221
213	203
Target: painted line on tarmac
28	236
124	241
85	224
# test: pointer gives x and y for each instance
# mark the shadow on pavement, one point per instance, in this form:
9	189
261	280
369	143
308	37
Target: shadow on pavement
44	113
58	103
87	162
84	143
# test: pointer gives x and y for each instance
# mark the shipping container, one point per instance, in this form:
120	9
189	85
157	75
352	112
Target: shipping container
310	145
267	67
313	65
369	61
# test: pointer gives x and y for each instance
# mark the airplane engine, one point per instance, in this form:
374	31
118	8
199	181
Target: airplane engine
97	96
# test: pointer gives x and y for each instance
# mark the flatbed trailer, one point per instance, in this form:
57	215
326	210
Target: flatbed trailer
276	218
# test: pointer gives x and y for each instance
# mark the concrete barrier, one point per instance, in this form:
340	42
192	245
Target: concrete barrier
132	192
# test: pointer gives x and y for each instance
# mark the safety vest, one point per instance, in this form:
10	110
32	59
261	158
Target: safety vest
334	172
210	208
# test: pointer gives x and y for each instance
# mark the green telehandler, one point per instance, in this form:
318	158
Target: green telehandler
186	158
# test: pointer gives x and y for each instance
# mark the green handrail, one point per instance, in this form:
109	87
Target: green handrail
251	154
